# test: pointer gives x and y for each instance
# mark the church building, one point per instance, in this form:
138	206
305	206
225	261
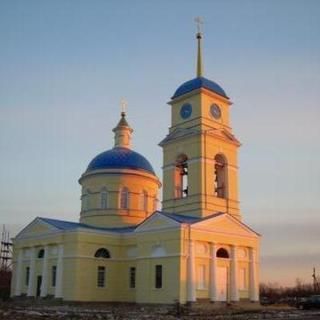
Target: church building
123	249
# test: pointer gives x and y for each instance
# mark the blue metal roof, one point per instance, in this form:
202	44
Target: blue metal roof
120	158
181	218
198	83
68	225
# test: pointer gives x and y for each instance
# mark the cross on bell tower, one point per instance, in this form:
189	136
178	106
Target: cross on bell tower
199	22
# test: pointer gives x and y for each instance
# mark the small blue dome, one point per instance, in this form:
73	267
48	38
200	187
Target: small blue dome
198	83
120	158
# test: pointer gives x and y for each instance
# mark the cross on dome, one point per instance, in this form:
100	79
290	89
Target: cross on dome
199	22
123	105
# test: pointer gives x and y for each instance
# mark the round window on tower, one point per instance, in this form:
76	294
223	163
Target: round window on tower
215	111
186	111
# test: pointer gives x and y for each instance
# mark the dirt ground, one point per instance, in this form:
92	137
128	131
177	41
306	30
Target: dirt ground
36	311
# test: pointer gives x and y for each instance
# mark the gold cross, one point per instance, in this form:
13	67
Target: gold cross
123	105
199	22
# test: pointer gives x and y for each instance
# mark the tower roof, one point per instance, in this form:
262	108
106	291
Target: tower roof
123	122
197	83
200	81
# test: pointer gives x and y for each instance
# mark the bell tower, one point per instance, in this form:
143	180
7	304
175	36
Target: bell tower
200	153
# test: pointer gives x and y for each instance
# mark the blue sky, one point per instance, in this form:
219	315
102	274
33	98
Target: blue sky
65	65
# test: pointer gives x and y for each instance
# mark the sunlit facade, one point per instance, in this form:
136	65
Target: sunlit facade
124	248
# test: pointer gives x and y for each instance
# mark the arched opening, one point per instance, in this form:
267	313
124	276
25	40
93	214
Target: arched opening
41	253
181	177
222	253
104	199
124	198
102	253
220	176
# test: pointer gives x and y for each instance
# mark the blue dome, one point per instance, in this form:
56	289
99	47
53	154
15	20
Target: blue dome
198	83
120	158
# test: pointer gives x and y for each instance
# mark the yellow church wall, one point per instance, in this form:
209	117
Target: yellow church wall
176	119
147	292
85	269
202	293
201	101
53	261
113	181
183	277
207	99
84	286
123	291
170	241
244	292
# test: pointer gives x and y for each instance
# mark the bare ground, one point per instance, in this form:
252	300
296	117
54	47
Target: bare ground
36	311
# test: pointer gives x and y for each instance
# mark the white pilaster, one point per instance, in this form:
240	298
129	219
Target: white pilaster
253	285
17	291
32	275
234	275
213	273
44	282
59	279
191	285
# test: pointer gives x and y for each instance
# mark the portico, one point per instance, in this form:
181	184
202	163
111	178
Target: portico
221	260
39	271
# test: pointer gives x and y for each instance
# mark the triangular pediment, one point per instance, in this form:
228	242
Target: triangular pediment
157	221
224	135
35	228
179	133
226	224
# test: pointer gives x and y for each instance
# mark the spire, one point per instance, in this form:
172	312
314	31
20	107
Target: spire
199	22
123	132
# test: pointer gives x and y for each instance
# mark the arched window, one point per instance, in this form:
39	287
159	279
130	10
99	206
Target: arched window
124	198
41	253
220	176
222	253
104	199
144	200
181	177
102	253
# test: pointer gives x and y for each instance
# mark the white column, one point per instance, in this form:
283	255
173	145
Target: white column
213	273
19	271
32	273
253	287
44	281
234	275
191	285
59	275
